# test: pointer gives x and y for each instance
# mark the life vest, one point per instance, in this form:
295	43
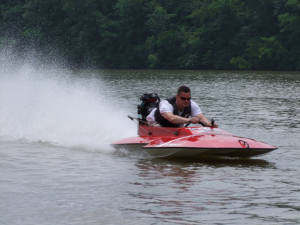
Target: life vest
166	123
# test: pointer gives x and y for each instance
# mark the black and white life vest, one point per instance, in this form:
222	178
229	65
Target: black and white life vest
166	123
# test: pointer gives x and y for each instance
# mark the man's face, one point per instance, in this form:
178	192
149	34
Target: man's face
183	100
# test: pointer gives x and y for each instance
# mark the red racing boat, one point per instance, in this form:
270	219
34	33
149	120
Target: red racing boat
187	141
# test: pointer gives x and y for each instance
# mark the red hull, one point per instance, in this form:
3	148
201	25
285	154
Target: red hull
192	142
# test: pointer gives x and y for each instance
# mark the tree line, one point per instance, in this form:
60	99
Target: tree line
158	34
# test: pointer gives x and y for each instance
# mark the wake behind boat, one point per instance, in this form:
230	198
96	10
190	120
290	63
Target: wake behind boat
188	142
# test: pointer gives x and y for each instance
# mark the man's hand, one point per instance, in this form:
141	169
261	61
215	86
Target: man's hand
209	125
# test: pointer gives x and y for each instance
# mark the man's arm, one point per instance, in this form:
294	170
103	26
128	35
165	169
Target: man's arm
178	119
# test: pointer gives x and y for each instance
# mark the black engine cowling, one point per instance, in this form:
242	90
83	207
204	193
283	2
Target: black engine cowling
149	102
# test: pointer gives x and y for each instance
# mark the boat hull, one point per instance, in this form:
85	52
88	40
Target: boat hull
198	152
192	143
193	152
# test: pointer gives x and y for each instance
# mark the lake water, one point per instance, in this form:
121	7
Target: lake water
57	167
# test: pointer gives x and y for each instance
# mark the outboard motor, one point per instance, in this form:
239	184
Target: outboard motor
149	102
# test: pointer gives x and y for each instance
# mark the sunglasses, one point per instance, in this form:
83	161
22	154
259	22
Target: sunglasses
183	98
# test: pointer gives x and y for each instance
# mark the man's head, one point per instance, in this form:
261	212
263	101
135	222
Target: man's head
183	97
184	89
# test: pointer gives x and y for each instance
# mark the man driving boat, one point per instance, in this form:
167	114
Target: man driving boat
175	111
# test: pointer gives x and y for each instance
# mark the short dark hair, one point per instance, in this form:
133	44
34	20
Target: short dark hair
184	89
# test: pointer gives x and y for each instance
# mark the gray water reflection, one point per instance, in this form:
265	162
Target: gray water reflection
46	184
214	190
216	162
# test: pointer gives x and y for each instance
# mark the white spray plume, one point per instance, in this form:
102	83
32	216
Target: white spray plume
60	109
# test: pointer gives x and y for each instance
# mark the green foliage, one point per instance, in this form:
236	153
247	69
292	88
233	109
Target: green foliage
159	20
263	53
153	61
289	22
160	34
240	63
